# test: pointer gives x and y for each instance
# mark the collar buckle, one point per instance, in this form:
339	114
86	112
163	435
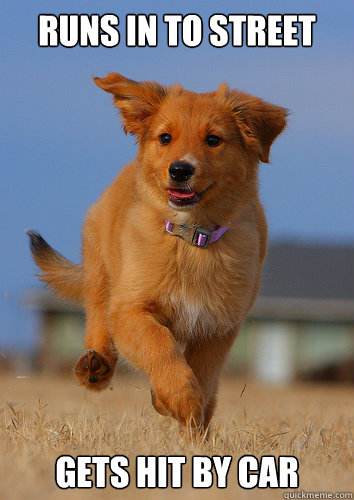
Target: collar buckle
201	237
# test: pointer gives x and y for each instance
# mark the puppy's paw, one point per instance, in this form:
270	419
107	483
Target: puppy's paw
184	402
157	404
94	370
190	408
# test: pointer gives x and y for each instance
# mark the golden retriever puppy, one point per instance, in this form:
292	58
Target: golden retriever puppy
173	249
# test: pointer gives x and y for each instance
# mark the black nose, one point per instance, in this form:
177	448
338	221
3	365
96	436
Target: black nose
181	171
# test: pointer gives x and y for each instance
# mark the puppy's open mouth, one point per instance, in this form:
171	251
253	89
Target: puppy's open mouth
185	197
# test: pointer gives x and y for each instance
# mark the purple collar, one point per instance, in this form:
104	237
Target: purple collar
194	235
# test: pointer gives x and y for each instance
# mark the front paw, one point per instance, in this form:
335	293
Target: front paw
94	370
183	401
157	404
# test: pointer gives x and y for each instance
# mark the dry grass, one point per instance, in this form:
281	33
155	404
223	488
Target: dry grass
41	419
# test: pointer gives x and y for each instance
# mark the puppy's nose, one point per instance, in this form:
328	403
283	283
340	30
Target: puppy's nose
181	171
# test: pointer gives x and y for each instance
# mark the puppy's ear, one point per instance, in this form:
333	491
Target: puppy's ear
259	121
137	102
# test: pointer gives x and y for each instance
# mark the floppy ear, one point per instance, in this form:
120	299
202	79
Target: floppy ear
259	121
136	101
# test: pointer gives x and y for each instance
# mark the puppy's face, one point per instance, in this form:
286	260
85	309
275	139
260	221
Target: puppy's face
192	153
198	152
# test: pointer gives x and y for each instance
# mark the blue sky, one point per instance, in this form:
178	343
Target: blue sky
61	142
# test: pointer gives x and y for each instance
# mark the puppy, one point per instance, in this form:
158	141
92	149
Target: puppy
173	249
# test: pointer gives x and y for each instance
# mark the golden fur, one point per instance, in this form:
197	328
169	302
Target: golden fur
172	309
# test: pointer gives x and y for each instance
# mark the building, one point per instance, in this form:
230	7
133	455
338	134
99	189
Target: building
302	322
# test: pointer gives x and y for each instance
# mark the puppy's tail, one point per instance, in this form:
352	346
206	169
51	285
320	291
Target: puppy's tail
59	273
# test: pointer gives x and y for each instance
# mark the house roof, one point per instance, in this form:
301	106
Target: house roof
304	271
307	282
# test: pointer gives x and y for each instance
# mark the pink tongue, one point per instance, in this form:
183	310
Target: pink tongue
181	194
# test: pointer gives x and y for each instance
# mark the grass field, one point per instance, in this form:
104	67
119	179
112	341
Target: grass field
43	418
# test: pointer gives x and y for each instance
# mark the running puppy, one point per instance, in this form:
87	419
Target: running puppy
173	249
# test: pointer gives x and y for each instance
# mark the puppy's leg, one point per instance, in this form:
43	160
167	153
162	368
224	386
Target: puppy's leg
150	346
96	365
206	359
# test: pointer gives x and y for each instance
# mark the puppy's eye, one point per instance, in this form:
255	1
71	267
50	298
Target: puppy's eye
212	140
165	139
